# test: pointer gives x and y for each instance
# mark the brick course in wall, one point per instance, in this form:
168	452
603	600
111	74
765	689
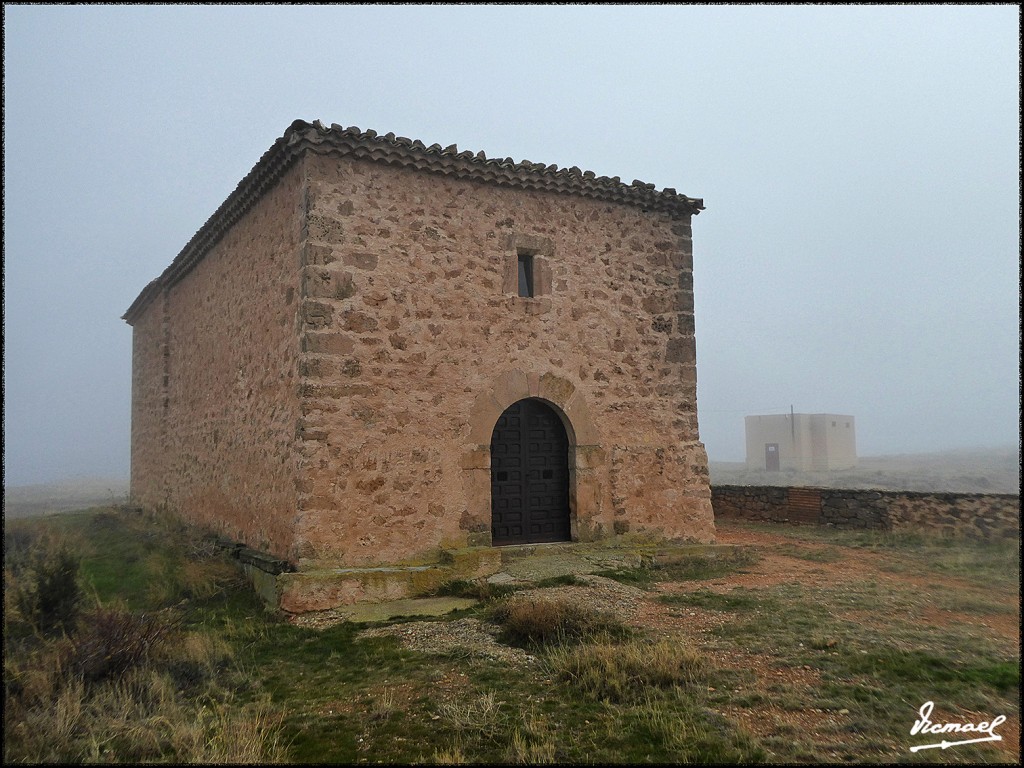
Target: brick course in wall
317	375
975	515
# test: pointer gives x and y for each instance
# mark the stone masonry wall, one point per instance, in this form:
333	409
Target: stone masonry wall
414	341
229	459
148	486
748	502
975	515
978	515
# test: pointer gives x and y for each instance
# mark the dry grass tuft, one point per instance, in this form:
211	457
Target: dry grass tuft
451	756
626	672
539	621
532	742
474	714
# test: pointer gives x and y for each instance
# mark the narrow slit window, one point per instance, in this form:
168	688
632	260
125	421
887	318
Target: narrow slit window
525	275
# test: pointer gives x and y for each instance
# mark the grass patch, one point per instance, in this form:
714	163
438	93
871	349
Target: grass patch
925	668
483	590
732	601
118	684
696	567
873	538
997	561
476	589
620	672
532	622
816	555
978	602
220	679
873	673
689	734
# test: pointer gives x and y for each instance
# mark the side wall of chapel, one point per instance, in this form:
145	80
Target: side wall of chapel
216	381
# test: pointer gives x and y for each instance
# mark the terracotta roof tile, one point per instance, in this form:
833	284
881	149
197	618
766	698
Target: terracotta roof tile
400	151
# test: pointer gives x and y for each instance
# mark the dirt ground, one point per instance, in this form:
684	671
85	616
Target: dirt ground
780	563
855	567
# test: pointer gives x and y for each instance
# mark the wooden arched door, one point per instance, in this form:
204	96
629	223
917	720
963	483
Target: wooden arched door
529	475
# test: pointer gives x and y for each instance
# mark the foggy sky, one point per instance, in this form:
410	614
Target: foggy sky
859	253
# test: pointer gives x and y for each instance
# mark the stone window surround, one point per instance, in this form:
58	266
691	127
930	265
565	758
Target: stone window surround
586	453
542	249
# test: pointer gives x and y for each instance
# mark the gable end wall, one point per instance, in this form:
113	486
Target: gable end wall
413	339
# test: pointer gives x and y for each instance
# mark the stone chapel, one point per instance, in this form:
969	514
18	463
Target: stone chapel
376	351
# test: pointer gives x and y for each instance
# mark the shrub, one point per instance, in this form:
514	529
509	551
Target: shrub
532	622
111	641
45	581
57	594
20	540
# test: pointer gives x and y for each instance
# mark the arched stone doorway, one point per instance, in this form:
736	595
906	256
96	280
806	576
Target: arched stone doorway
529	475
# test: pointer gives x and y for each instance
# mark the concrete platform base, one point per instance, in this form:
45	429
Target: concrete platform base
424	606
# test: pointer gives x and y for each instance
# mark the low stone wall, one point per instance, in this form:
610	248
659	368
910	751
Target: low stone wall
975	515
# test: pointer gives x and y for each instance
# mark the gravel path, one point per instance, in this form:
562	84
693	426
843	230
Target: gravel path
477	638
